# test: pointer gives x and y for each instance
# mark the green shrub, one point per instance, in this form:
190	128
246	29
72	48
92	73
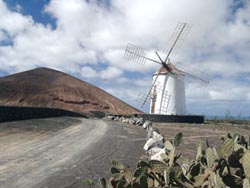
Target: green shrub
89	182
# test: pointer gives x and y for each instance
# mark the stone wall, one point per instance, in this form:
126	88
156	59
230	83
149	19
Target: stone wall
12	113
172	118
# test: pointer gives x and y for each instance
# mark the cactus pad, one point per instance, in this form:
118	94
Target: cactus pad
238	147
168	145
194	169
171	157
118	165
210	156
150	182
128	175
117	176
227	147
142	164
120	184
164	156
199	151
157	166
141	171
246	183
178	139
198	180
156	183
143	181
114	170
103	182
135	185
245	161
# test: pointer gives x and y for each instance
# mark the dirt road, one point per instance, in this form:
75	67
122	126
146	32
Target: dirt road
62	152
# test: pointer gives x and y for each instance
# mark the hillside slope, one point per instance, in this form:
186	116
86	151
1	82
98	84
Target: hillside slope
43	87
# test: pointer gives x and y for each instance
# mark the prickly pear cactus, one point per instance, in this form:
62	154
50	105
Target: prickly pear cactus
128	174
117	176
194	169
141	171
150	182
177	139
143	164
114	170
245	161
103	182
210	156
157	166
246	183
143	181
227	147
118	165
168	145
199	151
228	169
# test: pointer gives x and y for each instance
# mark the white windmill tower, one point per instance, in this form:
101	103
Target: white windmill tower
167	93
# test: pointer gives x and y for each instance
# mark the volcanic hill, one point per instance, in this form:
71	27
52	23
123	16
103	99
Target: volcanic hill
43	87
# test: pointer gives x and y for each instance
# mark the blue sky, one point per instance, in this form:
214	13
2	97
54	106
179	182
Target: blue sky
87	39
33	8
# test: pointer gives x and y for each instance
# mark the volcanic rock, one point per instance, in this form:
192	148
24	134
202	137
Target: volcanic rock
43	87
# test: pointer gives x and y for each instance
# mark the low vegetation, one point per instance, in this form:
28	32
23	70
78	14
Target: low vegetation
89	182
226	166
231	121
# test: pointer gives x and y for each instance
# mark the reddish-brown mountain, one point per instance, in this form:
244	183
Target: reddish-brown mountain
45	87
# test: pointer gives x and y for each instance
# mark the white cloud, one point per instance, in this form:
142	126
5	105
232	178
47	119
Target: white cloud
114	57
13	22
143	82
110	73
3	36
37	45
88	72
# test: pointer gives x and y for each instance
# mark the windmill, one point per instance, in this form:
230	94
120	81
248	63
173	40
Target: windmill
167	92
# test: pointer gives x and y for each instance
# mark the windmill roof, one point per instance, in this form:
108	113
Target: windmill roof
163	70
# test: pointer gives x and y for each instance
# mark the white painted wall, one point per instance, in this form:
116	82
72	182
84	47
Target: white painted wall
170	99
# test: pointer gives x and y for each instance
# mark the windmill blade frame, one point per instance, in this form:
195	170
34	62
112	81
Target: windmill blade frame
192	74
177	39
152	86
143	98
137	54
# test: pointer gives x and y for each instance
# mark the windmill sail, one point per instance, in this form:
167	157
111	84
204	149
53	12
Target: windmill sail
150	90
141	98
177	38
137	54
191	74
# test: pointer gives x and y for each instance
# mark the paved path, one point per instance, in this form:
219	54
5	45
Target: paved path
62	152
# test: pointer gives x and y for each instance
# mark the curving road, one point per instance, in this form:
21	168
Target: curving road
62	152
